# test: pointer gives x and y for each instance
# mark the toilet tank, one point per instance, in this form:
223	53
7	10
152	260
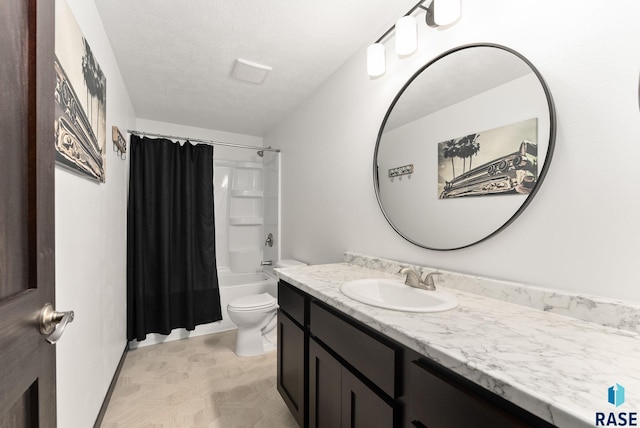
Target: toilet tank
285	263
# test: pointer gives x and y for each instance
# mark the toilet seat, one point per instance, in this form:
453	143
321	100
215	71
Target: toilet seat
254	302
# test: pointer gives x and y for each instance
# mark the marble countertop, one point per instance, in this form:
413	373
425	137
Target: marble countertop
556	367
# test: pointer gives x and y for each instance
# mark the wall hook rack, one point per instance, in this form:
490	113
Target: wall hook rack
400	171
119	143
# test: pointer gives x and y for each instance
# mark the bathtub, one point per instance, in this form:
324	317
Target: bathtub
234	285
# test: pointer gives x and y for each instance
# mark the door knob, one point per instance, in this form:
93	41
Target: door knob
52	323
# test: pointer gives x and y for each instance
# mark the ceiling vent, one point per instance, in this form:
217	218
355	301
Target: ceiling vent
250	71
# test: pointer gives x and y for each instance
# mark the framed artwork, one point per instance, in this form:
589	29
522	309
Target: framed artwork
506	159
80	101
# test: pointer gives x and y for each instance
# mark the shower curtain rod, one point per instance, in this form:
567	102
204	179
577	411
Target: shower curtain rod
198	140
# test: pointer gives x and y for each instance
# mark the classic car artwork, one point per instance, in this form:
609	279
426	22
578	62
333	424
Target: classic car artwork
76	144
513	173
80	101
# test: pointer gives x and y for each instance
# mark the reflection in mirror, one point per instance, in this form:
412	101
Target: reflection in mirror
464	147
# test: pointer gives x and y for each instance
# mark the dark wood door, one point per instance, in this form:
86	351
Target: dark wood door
436	402
337	398
291	366
325	388
361	407
27	361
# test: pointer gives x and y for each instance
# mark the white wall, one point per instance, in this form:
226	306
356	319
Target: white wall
580	233
91	229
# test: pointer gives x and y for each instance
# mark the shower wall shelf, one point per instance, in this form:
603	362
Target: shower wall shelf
237	193
248	165
246	221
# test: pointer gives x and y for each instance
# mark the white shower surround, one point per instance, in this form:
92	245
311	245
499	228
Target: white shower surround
239	215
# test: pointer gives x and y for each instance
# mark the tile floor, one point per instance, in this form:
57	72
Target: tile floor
197	382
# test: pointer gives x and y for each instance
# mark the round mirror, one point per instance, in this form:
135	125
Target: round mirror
464	147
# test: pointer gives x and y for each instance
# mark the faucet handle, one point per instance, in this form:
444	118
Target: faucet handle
428	281
413	278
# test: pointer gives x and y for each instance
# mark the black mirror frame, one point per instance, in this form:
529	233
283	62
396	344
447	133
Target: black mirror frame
545	166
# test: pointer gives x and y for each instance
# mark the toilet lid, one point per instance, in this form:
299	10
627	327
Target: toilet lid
255	301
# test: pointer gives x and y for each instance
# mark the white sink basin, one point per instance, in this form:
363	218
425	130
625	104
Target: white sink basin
396	295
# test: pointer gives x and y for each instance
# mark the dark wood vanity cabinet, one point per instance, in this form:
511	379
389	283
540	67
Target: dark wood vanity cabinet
292	350
334	371
319	368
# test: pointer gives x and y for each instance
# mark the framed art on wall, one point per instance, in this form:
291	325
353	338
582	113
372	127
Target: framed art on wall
508	158
80	101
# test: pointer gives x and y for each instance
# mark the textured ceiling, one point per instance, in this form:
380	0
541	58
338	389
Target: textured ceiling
176	56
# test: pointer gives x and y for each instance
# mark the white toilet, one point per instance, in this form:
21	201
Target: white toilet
255	316
285	263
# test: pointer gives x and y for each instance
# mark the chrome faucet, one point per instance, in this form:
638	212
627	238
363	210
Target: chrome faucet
266	263
414	280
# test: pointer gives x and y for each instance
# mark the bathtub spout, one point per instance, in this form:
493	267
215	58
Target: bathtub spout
266	263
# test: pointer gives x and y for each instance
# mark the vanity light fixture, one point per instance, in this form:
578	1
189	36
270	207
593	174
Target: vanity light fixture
447	12
376	61
406	35
444	13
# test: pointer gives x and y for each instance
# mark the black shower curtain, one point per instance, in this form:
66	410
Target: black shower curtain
172	280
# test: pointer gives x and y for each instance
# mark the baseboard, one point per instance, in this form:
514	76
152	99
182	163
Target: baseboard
114	380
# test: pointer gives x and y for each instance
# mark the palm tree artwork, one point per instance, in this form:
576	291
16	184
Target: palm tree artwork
463	148
95	83
469	146
450	151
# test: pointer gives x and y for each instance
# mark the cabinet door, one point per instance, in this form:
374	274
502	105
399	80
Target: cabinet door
325	384
436	402
291	361
361	407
